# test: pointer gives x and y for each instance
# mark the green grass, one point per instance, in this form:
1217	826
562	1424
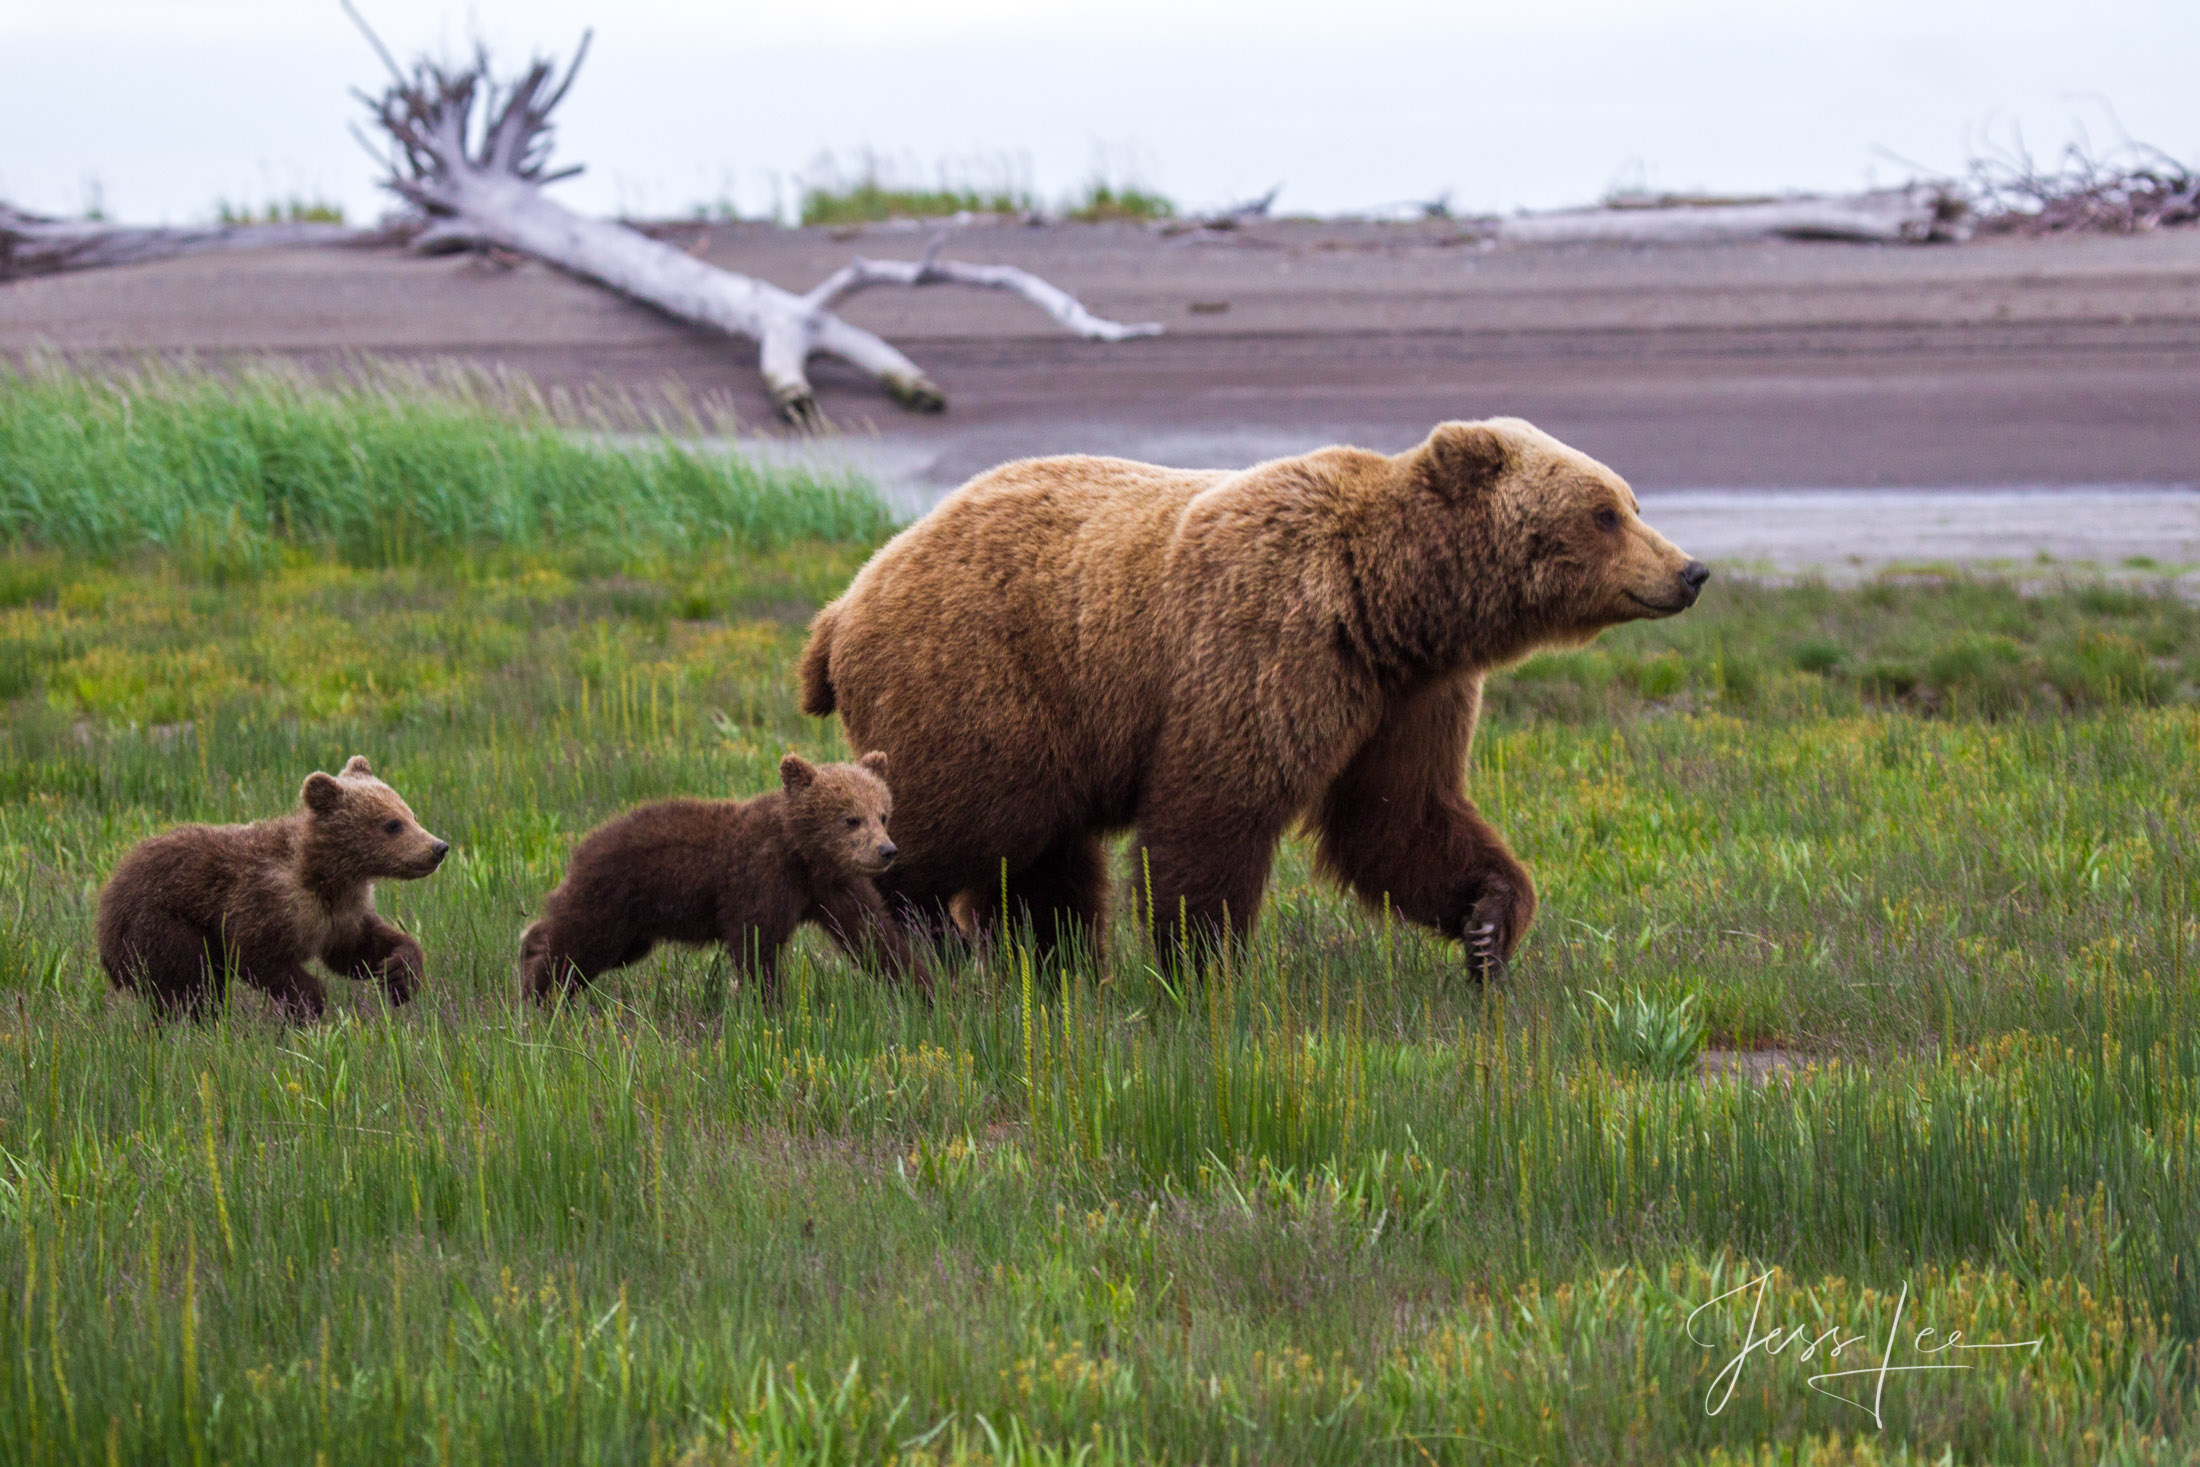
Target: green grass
877	191
293	210
874	194
867	200
1335	1204
1103	200
391	470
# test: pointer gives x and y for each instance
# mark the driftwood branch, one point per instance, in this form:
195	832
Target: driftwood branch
2129	189
1066	309
1913	215
482	186
31	244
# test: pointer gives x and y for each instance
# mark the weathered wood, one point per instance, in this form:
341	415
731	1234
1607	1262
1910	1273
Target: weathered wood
488	191
1912	215
1065	308
31	244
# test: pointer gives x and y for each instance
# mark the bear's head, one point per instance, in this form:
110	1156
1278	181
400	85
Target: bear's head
838	812
1559	534
360	830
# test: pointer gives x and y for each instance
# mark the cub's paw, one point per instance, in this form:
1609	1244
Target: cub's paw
399	979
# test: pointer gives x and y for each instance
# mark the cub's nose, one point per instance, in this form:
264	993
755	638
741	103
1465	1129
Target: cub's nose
1693	575
888	851
438	851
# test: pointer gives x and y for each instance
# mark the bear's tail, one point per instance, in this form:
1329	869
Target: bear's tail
817	664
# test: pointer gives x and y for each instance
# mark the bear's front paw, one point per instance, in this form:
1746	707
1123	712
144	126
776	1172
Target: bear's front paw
399	980
1494	928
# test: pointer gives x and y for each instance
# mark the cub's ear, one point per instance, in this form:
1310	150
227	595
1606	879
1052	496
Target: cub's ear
1461	460
796	772
875	761
357	765
322	793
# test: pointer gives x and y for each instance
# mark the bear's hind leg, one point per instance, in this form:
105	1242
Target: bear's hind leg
1206	874
169	963
554	959
1062	898
535	976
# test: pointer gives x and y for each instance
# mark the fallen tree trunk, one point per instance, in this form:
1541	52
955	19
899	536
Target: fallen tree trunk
488	192
31	244
1913	215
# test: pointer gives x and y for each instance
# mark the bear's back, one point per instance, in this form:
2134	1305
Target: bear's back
234	878
675	831
1040	530
1057	560
680	863
205	865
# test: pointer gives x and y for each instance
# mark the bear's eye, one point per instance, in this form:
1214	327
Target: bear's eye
393	827
1607	518
854	821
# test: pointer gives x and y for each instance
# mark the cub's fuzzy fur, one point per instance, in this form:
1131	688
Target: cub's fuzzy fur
186	908
1066	647
744	873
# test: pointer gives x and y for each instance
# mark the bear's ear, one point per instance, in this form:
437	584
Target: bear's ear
875	761
1461	460
357	765
322	793
796	772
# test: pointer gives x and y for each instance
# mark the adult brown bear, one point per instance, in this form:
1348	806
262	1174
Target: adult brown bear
1069	646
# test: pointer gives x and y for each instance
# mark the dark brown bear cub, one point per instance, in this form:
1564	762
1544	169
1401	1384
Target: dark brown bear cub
187	908
745	873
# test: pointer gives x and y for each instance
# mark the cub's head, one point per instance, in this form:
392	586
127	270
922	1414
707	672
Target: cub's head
839	812
361	827
1560	529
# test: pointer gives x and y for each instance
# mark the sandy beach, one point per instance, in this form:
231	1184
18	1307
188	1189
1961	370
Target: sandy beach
1792	403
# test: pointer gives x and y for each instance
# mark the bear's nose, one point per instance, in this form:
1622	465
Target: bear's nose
888	851
439	850
1693	575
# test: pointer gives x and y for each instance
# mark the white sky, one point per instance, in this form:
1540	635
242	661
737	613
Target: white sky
169	105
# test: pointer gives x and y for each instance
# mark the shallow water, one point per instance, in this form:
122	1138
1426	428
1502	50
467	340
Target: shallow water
1781	530
2110	525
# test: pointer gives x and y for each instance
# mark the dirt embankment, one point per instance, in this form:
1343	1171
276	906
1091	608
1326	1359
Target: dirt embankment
1759	367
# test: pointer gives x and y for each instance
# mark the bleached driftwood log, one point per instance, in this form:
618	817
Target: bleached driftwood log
31	244
1912	215
488	191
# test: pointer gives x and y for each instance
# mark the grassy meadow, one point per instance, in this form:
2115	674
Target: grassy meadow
1862	996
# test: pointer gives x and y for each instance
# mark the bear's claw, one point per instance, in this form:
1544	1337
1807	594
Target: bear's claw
1488	962
1492	928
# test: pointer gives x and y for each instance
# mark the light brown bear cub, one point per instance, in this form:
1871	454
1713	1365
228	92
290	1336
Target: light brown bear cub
187	908
744	873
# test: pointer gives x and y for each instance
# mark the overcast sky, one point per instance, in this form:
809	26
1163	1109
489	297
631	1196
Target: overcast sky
166	106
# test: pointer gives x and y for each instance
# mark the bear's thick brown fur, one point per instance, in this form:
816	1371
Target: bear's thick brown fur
188	907
1068	646
744	873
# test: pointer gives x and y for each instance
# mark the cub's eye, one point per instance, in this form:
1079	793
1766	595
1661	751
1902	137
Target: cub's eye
1607	518
854	821
393	827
